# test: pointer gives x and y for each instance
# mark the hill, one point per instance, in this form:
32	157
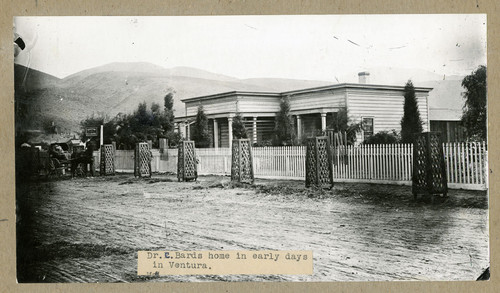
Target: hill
30	79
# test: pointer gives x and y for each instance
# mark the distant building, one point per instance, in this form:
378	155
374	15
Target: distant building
445	110
379	107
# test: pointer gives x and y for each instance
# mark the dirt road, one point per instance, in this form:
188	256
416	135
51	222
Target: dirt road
89	229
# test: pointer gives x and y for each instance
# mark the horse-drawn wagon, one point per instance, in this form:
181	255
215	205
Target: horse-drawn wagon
56	161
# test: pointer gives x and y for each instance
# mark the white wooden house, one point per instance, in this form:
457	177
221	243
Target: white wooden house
380	107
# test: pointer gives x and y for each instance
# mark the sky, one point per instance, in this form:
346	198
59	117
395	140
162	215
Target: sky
312	47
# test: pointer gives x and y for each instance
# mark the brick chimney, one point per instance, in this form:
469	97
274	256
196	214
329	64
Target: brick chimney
364	77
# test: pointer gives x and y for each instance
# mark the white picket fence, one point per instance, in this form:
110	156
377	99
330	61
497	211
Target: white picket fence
466	163
391	163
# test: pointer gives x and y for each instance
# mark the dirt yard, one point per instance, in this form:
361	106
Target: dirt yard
89	229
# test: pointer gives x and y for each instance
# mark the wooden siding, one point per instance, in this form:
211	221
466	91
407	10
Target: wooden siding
215	106
318	100
253	104
423	108
386	107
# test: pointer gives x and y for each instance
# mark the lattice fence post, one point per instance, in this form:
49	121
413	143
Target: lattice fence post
142	160
187	163
429	169
319	163
241	162
107	160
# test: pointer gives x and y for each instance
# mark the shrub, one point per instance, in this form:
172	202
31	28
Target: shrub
239	130
383	137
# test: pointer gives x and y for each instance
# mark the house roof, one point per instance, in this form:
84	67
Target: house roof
355	86
307	90
230	94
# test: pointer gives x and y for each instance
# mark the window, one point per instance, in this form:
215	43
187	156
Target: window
367	127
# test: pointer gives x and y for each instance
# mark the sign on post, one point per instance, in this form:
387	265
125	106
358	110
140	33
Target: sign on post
91	131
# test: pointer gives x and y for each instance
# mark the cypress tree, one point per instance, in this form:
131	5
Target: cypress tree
168	112
411	122
201	136
284	130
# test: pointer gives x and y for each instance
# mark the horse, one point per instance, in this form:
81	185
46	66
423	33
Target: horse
85	158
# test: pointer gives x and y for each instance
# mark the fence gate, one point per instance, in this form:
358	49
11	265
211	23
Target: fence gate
142	160
429	169
241	162
319	169
186	164
163	148
107	160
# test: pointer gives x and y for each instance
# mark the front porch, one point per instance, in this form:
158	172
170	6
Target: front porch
260	128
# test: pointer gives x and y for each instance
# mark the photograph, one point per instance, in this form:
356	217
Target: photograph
361	139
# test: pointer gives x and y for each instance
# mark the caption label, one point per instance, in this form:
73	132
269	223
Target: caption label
245	262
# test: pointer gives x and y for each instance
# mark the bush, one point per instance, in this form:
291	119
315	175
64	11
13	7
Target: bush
239	130
383	137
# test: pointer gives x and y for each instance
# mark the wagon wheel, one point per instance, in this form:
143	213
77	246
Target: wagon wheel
79	172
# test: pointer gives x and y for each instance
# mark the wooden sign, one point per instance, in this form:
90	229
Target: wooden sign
91	131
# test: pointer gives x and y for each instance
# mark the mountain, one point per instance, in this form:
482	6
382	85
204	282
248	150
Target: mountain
147	69
142	68
198	73
30	79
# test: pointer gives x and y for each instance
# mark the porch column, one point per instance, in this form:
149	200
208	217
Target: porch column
254	140
216	133
323	122
448	132
230	130
188	131
182	129
299	127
